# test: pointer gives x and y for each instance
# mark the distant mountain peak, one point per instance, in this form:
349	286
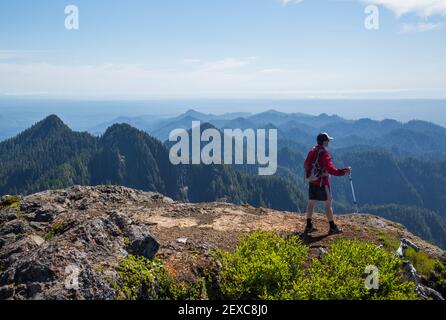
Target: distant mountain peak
120	127
325	115
423	123
366	120
273	111
186	120
192	113
53	120
48	125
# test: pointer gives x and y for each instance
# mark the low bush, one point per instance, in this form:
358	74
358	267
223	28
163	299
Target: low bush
262	266
340	275
420	260
266	266
9	202
144	279
432	269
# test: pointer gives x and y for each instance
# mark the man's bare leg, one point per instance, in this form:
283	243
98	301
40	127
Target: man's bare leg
329	210
329	205
334	229
310	208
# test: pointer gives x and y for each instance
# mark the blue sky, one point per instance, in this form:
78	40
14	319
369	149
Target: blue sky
139	49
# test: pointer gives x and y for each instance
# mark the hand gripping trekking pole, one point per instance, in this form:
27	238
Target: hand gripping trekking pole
353	192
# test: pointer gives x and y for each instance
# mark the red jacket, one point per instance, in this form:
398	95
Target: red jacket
325	163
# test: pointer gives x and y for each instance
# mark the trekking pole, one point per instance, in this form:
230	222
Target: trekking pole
353	192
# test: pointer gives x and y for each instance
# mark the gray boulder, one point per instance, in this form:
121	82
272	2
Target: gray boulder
142	242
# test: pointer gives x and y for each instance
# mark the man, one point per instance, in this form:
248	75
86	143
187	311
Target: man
318	167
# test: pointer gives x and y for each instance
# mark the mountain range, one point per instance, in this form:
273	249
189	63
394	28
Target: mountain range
399	168
416	138
50	155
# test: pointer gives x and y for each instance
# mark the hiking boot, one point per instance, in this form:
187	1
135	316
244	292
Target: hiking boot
309	229
335	230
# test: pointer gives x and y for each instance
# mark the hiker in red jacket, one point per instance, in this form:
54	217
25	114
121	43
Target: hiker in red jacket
318	168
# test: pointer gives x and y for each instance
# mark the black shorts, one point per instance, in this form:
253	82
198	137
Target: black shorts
317	193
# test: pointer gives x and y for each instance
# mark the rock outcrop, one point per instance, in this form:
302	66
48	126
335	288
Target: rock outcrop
66	244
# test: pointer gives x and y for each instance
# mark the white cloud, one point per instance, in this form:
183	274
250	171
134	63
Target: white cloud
191	60
225	64
420	27
230	77
423	8
17	54
116	80
272	71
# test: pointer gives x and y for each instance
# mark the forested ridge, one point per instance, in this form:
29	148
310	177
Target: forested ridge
49	155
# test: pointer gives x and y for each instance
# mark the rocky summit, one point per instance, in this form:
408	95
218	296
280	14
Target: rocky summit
67	244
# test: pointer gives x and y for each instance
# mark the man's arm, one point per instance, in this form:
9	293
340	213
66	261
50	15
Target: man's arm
329	167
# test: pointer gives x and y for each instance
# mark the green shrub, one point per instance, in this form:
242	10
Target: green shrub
142	279
439	277
432	269
54	229
263	266
9	202
266	266
421	261
339	275
390	242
